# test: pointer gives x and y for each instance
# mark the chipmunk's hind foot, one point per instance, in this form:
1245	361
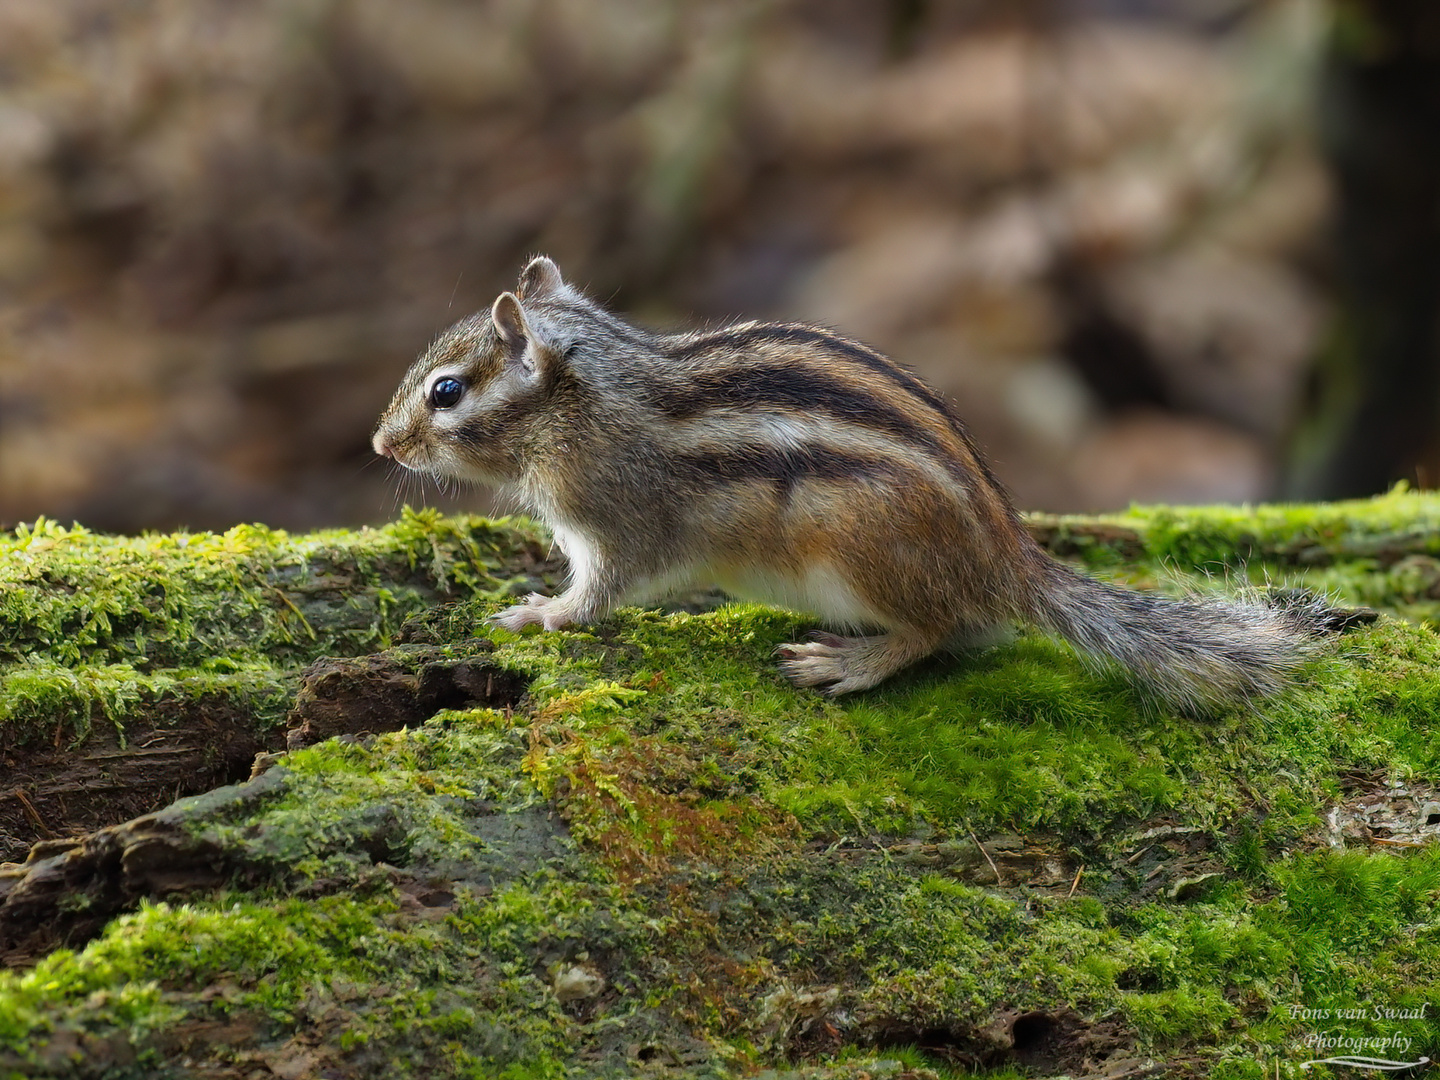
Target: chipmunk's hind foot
842	665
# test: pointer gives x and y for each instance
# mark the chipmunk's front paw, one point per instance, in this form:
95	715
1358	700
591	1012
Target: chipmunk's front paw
548	612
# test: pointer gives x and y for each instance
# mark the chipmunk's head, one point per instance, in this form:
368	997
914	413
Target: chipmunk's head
463	408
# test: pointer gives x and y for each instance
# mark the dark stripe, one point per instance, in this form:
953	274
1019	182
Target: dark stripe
502	422
877	362
785	468
636	335
809	335
795	387
586	311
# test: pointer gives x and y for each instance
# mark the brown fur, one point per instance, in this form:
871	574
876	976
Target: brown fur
792	465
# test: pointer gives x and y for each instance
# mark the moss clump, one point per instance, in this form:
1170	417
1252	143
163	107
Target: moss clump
448	799
724	960
1304	535
96	625
1021	738
667	858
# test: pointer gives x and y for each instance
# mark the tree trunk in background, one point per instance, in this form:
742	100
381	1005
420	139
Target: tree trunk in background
1375	413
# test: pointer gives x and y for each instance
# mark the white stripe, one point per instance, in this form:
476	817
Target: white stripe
720	430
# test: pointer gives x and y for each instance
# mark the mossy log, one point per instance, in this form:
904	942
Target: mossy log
137	669
441	849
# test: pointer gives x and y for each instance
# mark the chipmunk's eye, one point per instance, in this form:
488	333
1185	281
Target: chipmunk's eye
446	393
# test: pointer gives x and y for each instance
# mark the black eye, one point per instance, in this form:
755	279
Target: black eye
446	393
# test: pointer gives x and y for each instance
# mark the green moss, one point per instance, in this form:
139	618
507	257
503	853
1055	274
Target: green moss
1299	534
761	877
96	625
1022	737
392	986
44	696
923	953
446	799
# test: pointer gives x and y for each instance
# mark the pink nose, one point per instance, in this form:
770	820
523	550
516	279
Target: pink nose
381	446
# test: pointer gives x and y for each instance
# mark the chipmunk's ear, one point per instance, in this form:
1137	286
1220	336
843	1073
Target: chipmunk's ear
525	345
540	279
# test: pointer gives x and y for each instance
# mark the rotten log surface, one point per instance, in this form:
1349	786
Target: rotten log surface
99	874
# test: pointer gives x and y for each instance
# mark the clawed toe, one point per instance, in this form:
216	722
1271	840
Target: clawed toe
516	618
812	664
544	611
842	665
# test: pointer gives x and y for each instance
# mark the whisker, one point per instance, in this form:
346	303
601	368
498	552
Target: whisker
402	482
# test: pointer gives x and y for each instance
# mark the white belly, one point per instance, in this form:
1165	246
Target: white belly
819	591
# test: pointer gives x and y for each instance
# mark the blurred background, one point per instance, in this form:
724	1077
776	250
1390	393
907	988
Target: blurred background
1179	250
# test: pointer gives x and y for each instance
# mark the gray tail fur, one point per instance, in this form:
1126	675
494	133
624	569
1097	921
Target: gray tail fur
1193	652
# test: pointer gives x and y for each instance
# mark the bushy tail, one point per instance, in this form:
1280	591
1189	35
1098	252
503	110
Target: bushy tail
1193	652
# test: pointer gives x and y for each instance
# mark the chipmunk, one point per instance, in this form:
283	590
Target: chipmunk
791	465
